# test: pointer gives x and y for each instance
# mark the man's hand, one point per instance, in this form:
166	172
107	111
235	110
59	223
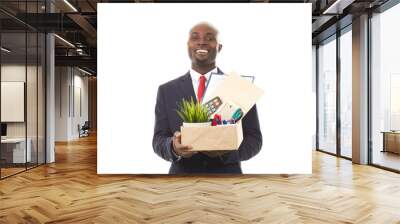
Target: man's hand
180	149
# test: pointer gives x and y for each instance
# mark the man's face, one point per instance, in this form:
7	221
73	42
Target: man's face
203	45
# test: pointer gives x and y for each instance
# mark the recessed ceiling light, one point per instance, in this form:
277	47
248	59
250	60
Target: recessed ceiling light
338	6
84	71
5	50
70	5
64	40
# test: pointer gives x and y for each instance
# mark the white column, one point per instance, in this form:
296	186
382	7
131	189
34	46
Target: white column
50	93
314	90
50	110
360	90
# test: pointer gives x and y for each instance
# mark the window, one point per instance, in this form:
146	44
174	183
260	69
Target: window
385	88
327	96
346	93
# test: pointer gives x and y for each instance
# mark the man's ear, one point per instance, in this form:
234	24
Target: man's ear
219	47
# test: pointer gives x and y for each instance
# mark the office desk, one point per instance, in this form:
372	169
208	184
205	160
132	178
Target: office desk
391	141
13	150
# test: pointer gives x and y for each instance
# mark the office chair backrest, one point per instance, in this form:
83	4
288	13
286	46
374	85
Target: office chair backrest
86	125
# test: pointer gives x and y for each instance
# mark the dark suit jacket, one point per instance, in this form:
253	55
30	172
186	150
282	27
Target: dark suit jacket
167	121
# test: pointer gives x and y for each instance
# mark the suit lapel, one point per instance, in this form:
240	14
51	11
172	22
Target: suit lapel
219	71
186	86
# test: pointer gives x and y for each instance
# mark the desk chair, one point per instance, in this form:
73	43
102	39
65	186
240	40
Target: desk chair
84	130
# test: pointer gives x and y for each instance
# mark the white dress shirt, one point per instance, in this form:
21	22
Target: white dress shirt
196	79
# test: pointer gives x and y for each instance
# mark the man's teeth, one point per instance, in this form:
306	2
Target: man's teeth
202	51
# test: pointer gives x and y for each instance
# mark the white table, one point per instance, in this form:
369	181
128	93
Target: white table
18	149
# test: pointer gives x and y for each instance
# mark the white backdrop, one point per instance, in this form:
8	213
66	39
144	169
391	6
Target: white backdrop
141	46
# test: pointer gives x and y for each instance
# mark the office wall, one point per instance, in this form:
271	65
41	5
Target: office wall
71	102
15	72
62	80
80	105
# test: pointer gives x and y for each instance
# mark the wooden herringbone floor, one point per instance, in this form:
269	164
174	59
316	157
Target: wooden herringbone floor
70	191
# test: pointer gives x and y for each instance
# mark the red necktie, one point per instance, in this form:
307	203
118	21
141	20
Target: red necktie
200	89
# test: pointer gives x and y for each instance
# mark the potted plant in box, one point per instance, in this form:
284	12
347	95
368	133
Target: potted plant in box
193	114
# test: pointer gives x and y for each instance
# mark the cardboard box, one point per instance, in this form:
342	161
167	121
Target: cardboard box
233	89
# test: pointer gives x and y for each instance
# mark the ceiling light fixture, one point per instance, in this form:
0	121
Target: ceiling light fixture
79	51
84	71
64	40
5	50
338	6
70	5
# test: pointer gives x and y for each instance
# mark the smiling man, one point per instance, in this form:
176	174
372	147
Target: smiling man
203	47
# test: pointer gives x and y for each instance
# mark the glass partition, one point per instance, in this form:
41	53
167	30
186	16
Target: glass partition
385	89
32	95
14	153
327	96
22	67
346	93
41	109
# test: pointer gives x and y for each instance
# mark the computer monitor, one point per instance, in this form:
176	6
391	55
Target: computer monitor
3	129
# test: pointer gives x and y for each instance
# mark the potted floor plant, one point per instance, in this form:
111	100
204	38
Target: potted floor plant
193	114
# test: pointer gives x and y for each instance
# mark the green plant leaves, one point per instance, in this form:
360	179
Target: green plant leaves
192	112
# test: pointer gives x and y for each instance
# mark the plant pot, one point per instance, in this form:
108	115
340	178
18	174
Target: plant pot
203	124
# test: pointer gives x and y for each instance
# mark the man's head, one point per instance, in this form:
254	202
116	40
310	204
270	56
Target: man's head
203	45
